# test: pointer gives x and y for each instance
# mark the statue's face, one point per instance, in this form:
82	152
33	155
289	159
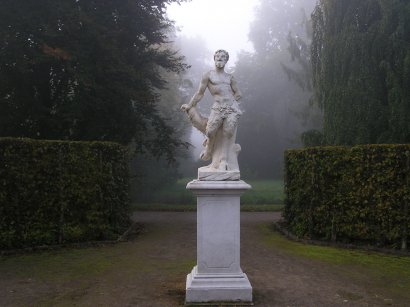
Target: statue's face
220	60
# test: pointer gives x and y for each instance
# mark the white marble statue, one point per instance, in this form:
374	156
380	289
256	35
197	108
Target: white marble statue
220	128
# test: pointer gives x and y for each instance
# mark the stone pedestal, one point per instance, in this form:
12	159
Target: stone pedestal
218	276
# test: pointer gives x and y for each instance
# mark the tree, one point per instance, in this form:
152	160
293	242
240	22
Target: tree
300	71
274	104
86	70
361	68
274	20
150	174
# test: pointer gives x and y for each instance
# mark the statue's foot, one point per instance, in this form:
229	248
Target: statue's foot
205	155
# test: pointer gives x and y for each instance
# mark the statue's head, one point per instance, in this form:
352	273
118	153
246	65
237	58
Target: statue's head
221	57
222	52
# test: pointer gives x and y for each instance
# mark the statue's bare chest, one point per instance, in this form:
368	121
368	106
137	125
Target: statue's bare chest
219	79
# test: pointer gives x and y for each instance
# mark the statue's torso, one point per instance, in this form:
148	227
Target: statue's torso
219	86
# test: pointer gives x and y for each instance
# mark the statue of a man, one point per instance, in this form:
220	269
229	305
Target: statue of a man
220	128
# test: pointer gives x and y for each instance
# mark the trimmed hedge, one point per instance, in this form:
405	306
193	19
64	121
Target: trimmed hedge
355	194
54	192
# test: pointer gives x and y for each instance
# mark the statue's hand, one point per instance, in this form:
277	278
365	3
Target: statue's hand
185	107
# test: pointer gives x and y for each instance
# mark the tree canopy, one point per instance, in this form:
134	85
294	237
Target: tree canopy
86	70
276	83
361	67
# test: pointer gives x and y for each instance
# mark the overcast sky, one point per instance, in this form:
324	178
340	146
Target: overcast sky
223	24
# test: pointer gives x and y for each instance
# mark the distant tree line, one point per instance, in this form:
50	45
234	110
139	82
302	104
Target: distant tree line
87	70
276	81
361	70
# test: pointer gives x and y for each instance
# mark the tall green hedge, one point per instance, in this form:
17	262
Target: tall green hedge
57	192
349	194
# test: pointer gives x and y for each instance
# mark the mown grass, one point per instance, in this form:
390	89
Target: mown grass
264	192
63	265
265	195
388	271
86	263
69	275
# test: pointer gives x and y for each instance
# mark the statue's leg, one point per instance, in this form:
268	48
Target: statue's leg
229	125
214	123
228	130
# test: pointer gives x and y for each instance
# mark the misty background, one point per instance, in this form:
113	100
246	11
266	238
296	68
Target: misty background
269	45
119	72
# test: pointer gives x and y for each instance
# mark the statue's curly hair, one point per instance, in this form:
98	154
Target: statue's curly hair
222	51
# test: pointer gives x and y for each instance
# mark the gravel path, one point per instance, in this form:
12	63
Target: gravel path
150	271
277	278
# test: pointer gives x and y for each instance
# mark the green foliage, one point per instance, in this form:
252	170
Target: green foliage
356	194
86	70
361	64
58	191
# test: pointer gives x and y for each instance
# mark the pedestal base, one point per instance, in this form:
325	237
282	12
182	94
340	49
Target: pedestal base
206	288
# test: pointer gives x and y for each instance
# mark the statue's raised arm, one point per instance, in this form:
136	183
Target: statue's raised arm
220	128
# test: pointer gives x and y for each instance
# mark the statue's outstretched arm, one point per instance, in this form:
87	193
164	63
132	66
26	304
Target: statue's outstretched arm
198	95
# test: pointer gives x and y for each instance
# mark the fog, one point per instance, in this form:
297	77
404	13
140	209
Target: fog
221	24
269	46
203	27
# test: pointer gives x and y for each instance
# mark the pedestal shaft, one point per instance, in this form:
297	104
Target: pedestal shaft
218	234
218	275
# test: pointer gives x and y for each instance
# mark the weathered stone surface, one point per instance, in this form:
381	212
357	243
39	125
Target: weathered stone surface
206	288
208	174
221	125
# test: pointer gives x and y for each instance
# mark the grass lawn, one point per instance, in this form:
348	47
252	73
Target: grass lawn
87	276
265	195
